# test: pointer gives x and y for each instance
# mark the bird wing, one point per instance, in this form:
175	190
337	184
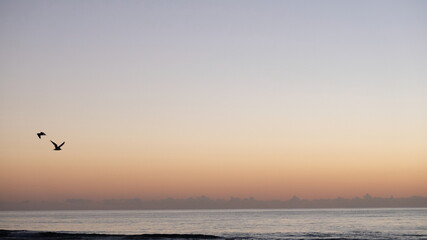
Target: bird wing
54	143
42	133
61	144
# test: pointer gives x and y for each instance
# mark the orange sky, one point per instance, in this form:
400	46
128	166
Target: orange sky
126	168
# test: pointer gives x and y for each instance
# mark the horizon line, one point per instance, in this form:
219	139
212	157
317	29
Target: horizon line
207	203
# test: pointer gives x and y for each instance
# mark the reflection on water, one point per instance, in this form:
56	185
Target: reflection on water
257	224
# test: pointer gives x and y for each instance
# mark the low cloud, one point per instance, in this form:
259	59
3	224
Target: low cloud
207	203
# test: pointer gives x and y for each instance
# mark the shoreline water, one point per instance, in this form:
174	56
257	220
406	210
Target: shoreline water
25	234
41	235
279	224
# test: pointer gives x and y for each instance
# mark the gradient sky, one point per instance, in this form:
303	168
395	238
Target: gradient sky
264	99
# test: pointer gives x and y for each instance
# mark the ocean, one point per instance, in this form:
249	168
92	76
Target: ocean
216	224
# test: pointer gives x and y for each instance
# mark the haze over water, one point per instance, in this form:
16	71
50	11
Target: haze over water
263	99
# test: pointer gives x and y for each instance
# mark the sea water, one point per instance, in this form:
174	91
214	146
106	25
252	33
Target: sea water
225	224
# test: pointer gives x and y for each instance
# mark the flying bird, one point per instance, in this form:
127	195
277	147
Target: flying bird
40	134
57	148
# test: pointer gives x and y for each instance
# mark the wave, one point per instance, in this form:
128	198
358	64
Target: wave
355	235
30	235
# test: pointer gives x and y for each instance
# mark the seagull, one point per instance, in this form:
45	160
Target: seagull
40	134
57	148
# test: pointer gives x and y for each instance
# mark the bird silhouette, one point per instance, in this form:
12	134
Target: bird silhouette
40	134
57	148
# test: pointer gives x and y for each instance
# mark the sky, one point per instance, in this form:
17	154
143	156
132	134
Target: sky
263	99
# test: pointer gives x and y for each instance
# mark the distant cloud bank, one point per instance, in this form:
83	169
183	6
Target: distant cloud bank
206	203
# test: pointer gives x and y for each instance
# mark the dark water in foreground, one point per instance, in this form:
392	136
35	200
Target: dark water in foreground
221	224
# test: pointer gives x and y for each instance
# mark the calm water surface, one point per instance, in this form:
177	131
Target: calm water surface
242	224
